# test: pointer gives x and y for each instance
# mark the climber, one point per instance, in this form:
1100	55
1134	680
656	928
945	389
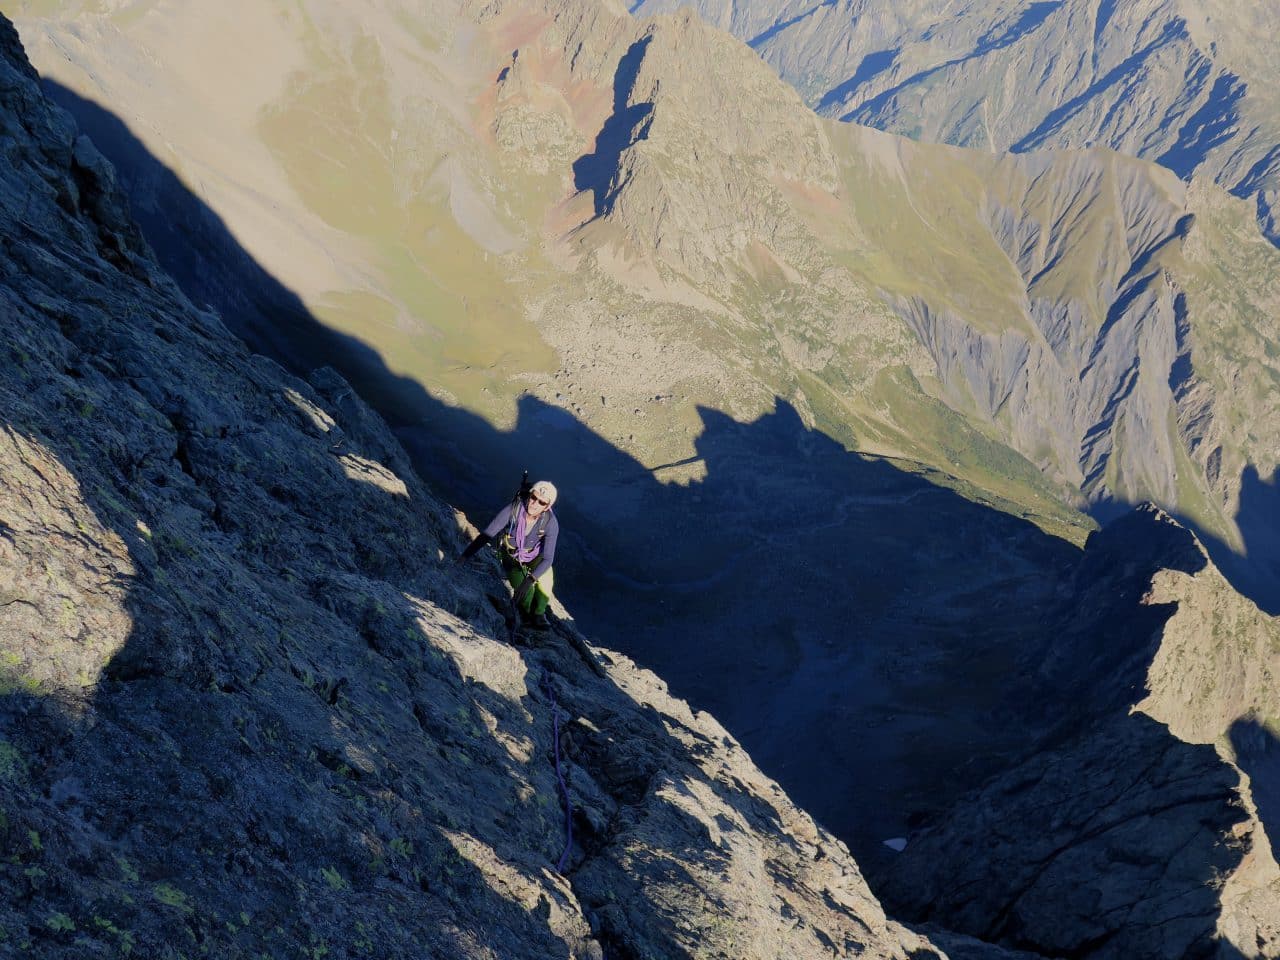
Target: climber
528	548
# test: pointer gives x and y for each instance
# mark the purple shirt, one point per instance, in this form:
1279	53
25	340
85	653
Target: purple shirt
546	530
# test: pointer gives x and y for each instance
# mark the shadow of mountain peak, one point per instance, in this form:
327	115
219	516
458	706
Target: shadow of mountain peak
1148	535
1257	751
596	171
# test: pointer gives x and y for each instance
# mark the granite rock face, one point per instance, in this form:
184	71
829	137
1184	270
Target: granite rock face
248	706
1132	828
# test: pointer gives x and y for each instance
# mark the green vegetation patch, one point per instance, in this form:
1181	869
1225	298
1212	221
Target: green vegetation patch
13	766
60	923
171	896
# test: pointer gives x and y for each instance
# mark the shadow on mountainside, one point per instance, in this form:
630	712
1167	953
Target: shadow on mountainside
251	772
1108	834
871	66
304	738
289	756
1259	522
1258	753
1133	65
1212	124
625	125
1254	571
781	25
862	629
195	247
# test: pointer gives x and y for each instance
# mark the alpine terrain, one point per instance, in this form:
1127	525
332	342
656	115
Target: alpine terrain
1189	85
250	707
835	416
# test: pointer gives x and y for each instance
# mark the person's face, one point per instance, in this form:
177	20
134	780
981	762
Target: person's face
537	505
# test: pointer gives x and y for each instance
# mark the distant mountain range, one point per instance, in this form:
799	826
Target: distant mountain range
1193	86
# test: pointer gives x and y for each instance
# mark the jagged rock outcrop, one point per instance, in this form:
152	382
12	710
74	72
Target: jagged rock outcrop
1107	851
1128	831
247	706
705	202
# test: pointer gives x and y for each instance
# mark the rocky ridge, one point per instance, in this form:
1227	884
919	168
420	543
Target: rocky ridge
249	707
1139	825
1187	85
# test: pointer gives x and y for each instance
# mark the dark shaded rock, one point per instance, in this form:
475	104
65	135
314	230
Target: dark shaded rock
1106	849
1117	835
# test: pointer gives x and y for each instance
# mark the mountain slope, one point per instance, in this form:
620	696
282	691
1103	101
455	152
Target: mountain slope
1122	833
899	572
1187	85
965	251
806	380
1080	307
248	707
599	221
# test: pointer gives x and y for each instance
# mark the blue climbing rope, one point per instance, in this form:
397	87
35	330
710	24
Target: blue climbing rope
564	788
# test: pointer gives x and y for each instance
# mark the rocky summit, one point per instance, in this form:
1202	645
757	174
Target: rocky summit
248	705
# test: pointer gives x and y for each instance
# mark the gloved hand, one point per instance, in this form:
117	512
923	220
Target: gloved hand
523	591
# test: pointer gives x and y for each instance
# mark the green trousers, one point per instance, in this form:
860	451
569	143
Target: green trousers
537	599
